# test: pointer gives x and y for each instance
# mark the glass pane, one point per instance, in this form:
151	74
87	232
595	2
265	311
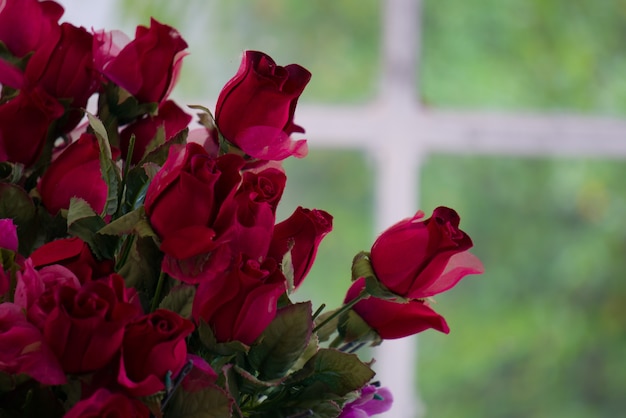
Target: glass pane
541	333
338	41
524	54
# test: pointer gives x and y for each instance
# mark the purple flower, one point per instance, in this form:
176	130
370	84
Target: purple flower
373	401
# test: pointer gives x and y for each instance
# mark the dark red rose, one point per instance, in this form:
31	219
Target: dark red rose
24	123
153	345
395	320
265	186
103	403
26	24
240	304
23	350
64	68
185	202
148	66
74	254
255	109
419	258
301	233
171	117
86	327
75	173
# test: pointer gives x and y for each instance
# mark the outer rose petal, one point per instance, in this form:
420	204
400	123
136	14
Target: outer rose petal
8	235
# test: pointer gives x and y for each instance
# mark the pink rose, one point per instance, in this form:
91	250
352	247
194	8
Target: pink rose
255	108
75	173
148	66
301	233
24	123
186	203
26	24
417	259
171	117
103	403
153	345
23	350
393	320
240	304
86	326
74	254
373	401
8	235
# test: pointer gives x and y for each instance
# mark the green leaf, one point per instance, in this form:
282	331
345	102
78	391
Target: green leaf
229	349
141	267
376	289
82	222
352	327
134	222
17	205
334	373
180	300
250	384
110	172
210	402
282	342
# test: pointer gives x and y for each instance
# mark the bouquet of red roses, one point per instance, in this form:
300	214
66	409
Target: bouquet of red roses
143	270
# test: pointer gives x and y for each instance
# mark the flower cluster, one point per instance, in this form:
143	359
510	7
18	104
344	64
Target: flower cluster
143	270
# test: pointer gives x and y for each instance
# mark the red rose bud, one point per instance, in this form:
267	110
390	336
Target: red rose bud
24	123
240	304
419	258
75	173
153	345
393	320
148	66
103	403
86	326
301	233
255	109
26	24
171	117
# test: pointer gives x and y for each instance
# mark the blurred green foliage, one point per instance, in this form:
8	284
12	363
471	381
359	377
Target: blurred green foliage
543	332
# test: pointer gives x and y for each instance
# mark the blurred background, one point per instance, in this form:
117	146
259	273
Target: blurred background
543	332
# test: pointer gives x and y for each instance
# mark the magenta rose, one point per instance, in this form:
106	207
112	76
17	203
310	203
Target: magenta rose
418	258
186	203
26	24
74	254
372	401
240	304
148	66
24	123
103	403
8	235
393	320
85	328
170	117
23	350
75	173
255	109
153	345
301	233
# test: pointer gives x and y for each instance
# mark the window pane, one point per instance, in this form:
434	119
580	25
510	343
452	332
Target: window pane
541	333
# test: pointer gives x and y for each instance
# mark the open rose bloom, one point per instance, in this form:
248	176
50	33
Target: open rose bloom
146	274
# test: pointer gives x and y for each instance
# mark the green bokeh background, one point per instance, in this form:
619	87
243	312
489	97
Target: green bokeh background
543	332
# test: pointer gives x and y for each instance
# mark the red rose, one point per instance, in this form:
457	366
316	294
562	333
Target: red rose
26	24
185	202
75	173
22	349
24	123
240	304
153	345
171	117
86	327
103	403
255	108
395	320
64	68
302	232
146	67
74	254
417	259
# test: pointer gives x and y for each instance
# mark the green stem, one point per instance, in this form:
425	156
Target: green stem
157	293
344	308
